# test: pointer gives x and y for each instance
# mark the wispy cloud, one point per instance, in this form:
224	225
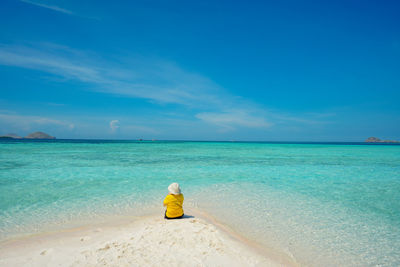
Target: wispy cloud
44	121
27	122
58	64
156	80
306	119
139	129
228	120
55	104
52	7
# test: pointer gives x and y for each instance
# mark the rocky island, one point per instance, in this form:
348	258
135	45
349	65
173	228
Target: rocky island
377	140
35	135
10	136
39	135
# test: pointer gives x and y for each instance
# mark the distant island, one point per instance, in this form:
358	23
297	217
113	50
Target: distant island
35	135
10	136
377	140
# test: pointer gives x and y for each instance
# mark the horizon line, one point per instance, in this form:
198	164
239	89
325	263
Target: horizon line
190	140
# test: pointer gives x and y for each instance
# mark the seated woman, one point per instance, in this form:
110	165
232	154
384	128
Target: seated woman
174	202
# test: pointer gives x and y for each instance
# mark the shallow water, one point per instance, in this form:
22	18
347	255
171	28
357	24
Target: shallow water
324	204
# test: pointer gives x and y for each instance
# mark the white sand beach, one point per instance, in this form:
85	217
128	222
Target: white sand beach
147	241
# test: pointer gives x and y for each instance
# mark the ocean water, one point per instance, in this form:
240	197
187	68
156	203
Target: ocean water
322	204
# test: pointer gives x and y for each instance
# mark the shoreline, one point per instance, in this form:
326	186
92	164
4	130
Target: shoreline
198	236
272	253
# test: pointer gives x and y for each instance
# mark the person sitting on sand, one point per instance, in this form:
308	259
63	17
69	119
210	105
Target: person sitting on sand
174	201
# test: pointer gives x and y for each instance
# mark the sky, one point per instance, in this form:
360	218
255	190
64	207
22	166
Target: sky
201	70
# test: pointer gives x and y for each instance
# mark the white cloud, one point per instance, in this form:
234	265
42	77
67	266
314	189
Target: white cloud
52	7
114	125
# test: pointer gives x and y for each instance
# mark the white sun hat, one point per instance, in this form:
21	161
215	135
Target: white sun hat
174	189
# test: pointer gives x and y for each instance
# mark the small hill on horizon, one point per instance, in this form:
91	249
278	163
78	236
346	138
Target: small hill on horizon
377	140
39	135
11	135
35	135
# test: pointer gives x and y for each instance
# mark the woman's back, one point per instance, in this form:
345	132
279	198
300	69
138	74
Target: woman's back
174	205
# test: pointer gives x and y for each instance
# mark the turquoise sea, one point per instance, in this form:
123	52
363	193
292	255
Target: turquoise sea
324	204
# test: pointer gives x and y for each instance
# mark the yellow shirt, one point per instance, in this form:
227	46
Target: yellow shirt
174	205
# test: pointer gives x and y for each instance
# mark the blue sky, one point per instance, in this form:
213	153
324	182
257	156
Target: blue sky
201	70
